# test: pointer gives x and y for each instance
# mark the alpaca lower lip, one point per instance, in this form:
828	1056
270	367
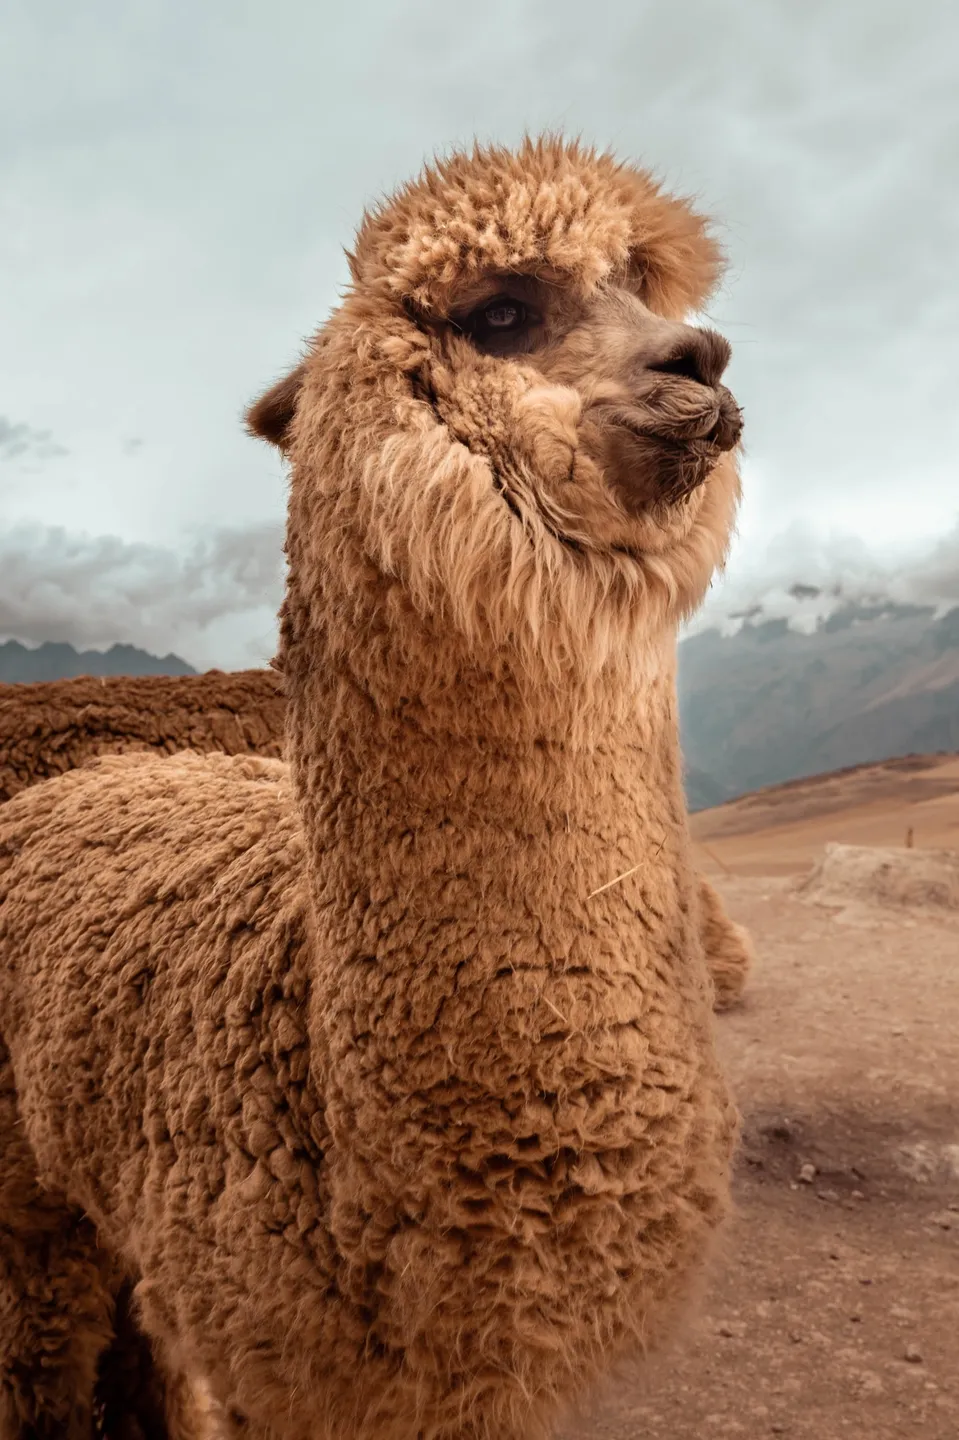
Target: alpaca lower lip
666	472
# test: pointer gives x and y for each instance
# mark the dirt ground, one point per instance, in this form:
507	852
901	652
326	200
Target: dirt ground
833	1308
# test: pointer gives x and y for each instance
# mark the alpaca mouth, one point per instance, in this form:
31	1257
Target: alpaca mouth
706	416
654	454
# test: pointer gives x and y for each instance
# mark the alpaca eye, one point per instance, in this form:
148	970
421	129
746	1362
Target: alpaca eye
504	315
500	325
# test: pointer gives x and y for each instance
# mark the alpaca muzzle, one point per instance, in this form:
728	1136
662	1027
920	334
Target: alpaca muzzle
660	426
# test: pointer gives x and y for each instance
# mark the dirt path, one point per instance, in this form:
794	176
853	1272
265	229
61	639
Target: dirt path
834	1308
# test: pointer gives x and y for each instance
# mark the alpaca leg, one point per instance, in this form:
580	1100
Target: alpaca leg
55	1316
55	1304
138	1396
728	947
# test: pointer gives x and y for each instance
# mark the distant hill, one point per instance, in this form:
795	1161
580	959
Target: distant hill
19	664
909	800
770	704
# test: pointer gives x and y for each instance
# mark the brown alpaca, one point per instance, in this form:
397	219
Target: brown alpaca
49	728
388	1081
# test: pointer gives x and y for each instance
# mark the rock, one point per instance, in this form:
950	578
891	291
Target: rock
884	877
913	1354
807	1173
731	1329
920	1162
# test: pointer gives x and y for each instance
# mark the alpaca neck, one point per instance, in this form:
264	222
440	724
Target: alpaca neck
415	768
469	949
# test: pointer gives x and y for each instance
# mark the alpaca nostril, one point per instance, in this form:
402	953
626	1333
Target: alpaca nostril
700	355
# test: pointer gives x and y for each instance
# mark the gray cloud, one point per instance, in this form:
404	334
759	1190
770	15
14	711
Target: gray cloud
803	578
20	441
214	600
214	603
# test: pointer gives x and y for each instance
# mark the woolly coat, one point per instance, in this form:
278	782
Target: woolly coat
391	1079
54	726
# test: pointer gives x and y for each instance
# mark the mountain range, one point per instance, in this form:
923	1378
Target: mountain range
21	664
770	703
762	705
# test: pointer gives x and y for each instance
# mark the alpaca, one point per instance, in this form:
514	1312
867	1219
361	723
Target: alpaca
49	727
53	726
387	1078
56	725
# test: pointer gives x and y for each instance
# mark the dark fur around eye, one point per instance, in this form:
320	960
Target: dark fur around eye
501	323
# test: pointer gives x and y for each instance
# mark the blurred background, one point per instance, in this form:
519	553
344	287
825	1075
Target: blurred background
178	181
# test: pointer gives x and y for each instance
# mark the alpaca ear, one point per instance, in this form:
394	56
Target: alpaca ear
270	417
676	260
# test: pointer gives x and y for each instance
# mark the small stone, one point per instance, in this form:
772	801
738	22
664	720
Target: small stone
945	1220
731	1329
857	1195
829	1196
795	1337
913	1354
807	1173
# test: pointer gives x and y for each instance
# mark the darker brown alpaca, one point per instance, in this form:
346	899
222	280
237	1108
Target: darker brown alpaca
387	1078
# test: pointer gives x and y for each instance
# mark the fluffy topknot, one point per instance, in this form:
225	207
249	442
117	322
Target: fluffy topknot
552	204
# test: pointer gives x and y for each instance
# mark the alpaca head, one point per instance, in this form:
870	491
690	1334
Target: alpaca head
508	417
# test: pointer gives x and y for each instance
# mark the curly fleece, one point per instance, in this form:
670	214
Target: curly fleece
402	1119
49	728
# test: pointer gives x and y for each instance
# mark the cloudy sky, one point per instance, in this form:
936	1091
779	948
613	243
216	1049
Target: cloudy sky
178	179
